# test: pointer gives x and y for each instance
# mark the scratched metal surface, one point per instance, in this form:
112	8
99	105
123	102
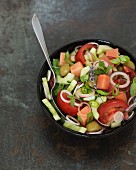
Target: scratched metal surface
28	140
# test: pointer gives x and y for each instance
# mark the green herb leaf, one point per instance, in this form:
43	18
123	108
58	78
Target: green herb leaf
79	118
99	72
84	78
89	117
115	61
56	67
108	69
133	88
103	93
124	58
101	64
59	88
67	56
72	100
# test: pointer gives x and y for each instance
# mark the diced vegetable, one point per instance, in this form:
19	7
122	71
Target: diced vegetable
72	85
101	99
74	127
93	126
95	113
62	59
51	109
76	68
103	82
130	64
65	80
121	96
103	48
84	71
112	53
94	104
46	88
64	69
83	115
115	124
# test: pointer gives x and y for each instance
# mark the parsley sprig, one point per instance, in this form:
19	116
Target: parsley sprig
102	69
56	67
72	99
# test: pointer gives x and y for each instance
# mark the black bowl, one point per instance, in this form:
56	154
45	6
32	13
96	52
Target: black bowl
70	47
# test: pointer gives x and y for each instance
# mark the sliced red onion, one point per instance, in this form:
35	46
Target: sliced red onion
93	43
96	64
130	116
77	47
98	132
105	125
89	55
131	107
61	95
80	94
72	120
129	100
122	74
72	58
81	104
118	116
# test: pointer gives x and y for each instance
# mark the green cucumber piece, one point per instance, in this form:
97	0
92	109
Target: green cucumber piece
46	88
95	113
74	127
115	124
51	109
65	80
72	85
103	48
101	99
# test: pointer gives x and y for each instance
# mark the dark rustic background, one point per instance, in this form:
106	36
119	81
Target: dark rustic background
28	139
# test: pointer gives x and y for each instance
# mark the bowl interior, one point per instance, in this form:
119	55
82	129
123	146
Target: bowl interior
70	47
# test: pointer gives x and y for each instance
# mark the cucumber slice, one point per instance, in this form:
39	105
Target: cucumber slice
65	80
95	113
74	127
115	124
46	88
51	109
84	71
101	99
72	85
103	48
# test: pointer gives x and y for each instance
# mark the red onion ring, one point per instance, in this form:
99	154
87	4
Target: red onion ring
72	120
122	74
98	132
61	95
81	104
105	125
131	107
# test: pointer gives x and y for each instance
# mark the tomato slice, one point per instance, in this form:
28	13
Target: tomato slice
129	71
80	54
66	107
108	109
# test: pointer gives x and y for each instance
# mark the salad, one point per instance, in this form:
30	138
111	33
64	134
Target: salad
96	88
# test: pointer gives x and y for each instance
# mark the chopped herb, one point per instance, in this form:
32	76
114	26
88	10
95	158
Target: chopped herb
67	56
72	100
103	93
115	61
89	117
56	67
99	72
59	88
84	78
133	87
108	69
79	118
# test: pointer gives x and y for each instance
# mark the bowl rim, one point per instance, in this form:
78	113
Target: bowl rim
47	112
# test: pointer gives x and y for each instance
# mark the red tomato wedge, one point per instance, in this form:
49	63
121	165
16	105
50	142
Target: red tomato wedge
66	107
129	71
80	54
121	96
108	109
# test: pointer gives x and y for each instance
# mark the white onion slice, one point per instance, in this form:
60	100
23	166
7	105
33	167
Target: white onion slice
98	132
77	87
72	120
96	64
122	74
80	94
118	116
61	95
93	43
77	47
130	116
